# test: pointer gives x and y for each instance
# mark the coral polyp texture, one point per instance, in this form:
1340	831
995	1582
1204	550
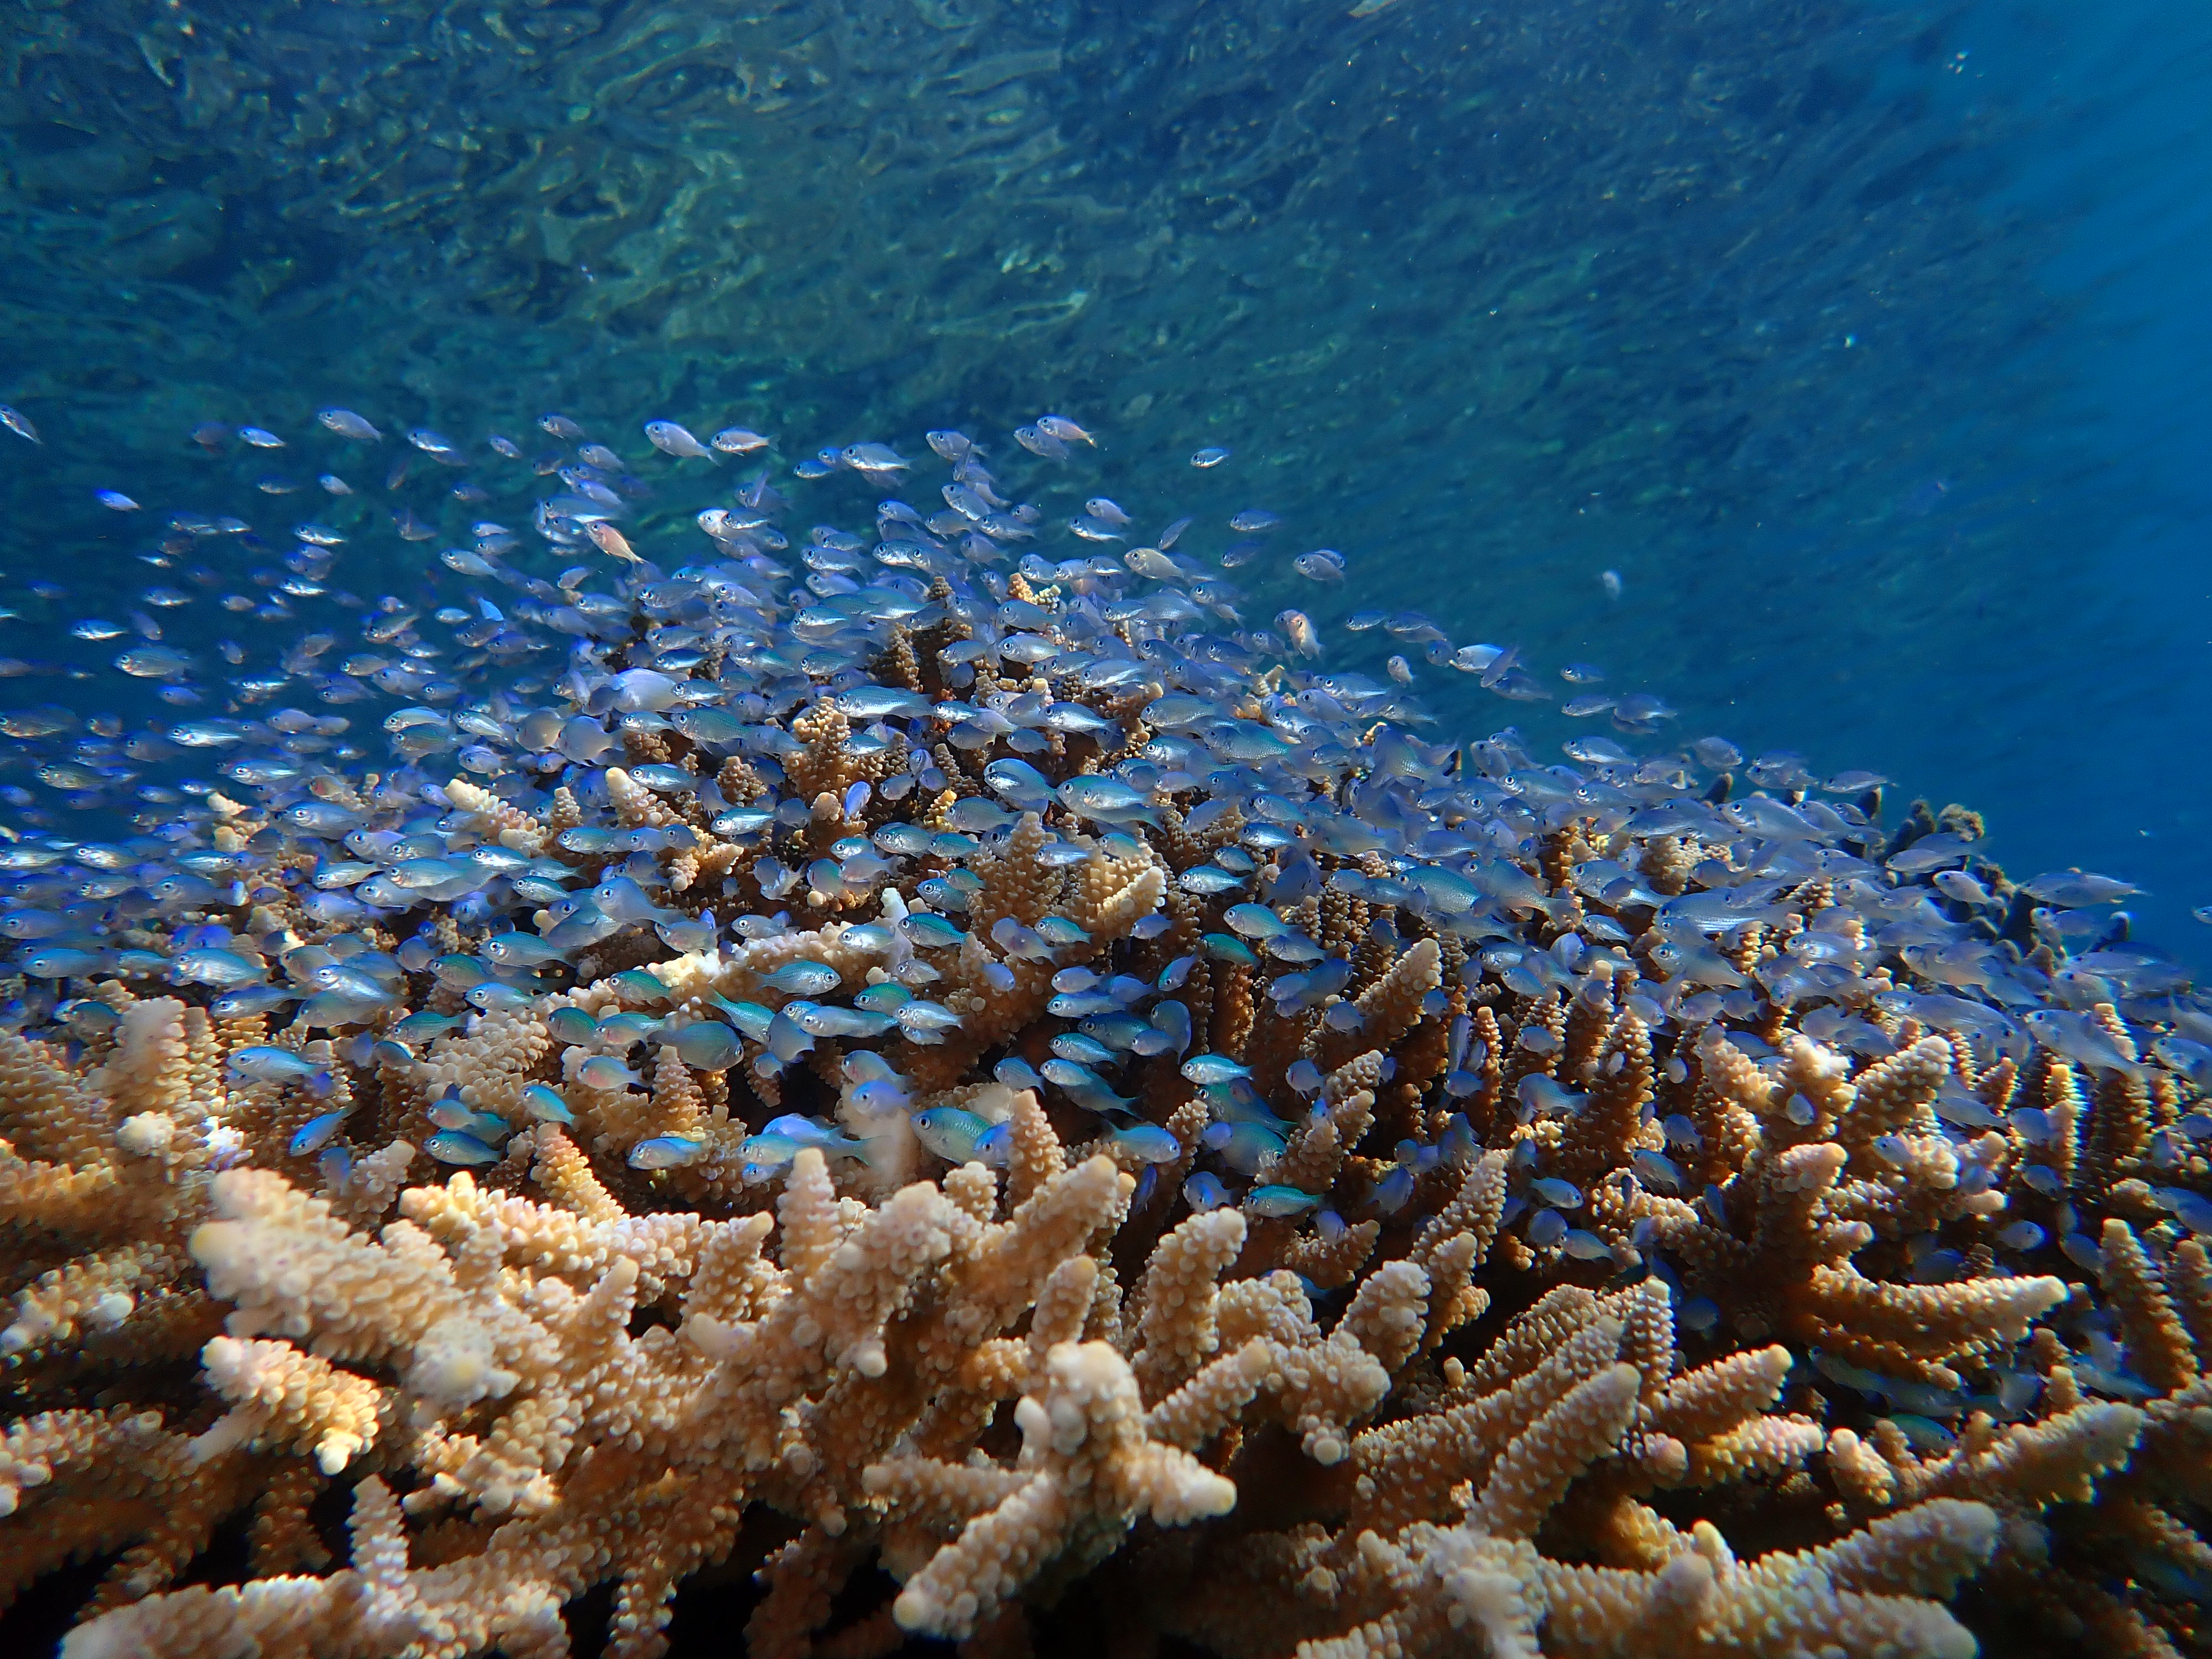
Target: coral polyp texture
982	1095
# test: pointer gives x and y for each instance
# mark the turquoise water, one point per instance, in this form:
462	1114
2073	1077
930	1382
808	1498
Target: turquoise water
1857	341
1832	372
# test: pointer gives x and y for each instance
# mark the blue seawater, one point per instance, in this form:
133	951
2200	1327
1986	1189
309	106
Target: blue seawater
1862	344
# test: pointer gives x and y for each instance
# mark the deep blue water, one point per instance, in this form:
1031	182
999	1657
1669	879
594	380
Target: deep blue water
1864	343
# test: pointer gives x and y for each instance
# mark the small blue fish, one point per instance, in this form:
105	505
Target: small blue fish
939	893
2080	1039
1148	1143
671	438
1255	921
460	971
454	1113
520	951
347	980
1083	1086
88	1017
707	1045
1585	1246
787	1039
450	1111
316	1134
688	936
1276	1201
546	1105
1207	1069
263	1063
803	978
455	1146
62	962
583	926
570	1026
423	1026
623	901
1017	1073
822	1019
248	999
919	1016
619	1033
951	1132
887	998
1393	1192
1227	947
1023	944
605	1072
1080	1004
2022	1235
665	1152
879	1097
347	424
750	1017
1539	1093
1204	1192
1081	1049
2080	1250
491	997
1245	1147
638	985
867	1065
931	931
800	1130
1207	880
2192	1209
1547	1228
218	968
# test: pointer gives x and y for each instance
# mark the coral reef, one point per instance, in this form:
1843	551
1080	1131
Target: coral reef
967	1076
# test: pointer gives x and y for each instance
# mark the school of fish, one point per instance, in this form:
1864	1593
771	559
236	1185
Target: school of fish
717	844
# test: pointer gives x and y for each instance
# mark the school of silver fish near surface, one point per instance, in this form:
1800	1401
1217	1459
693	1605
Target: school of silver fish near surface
669	873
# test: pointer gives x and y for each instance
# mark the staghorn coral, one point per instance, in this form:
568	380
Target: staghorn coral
1344	1203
